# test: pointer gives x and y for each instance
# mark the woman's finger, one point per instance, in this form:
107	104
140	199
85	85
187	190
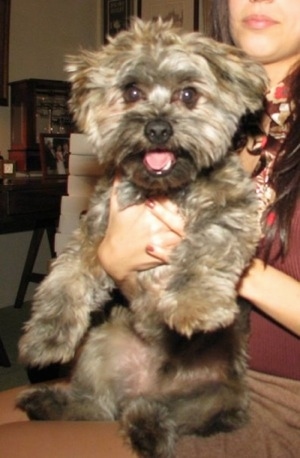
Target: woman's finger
161	245
168	213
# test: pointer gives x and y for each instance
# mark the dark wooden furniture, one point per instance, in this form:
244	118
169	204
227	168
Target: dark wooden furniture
4	50
30	205
37	106
4	360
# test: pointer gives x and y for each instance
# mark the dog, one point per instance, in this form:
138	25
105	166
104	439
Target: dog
161	108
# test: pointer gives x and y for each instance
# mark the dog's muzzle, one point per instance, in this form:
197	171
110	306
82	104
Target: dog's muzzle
158	159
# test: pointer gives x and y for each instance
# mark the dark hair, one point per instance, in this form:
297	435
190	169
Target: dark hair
285	177
218	27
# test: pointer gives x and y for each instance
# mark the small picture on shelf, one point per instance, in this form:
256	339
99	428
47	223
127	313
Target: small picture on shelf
7	169
54	153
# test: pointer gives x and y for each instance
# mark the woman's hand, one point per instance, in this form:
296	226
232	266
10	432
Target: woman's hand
139	237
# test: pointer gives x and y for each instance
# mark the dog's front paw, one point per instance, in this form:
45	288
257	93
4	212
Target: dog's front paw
149	429
43	344
190	316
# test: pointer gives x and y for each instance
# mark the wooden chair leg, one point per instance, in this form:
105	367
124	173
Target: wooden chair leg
4	360
51	230
28	267
28	275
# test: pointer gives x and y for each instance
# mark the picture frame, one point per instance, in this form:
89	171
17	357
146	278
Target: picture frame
4	50
116	16
184	14
7	169
54	155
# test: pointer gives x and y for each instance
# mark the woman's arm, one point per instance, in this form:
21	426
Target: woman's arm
273	292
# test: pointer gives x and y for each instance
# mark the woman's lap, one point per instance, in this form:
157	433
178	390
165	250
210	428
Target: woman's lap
274	429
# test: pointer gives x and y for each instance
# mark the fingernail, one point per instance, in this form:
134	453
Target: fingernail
149	249
150	203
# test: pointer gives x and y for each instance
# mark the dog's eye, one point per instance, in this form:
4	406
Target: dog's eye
132	94
189	96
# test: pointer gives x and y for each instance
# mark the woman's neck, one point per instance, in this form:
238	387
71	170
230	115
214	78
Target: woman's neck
277	71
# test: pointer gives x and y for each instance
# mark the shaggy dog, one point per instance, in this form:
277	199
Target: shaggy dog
161	108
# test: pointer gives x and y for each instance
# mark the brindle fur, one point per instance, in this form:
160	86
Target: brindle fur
173	362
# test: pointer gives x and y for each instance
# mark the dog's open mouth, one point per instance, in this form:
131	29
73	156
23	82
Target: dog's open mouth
159	161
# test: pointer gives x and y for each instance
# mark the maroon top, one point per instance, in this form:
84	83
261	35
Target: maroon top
273	349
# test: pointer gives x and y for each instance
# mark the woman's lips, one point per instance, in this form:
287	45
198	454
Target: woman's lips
259	21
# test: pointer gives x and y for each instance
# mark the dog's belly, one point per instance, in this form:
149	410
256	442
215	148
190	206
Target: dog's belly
123	362
115	357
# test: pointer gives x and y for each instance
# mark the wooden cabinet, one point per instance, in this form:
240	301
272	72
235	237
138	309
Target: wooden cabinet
27	203
37	106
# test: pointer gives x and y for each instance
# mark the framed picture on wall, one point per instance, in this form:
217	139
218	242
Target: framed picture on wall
54	154
184	13
116	16
4	39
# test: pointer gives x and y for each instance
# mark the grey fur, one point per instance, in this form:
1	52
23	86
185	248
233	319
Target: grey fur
174	361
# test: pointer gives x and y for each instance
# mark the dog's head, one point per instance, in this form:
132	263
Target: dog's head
159	105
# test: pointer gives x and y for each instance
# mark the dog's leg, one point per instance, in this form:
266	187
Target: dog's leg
62	304
149	428
153	427
216	408
57	403
201	295
221	238
75	286
193	309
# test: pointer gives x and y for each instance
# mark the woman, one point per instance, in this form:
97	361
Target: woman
268	30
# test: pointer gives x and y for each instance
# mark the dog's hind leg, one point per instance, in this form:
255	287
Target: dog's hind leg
43	403
153	427
216	408
58	403
149	428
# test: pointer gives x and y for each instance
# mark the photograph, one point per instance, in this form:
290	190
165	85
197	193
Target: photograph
116	16
184	14
54	154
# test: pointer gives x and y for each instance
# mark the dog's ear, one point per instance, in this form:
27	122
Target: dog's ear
234	70
83	72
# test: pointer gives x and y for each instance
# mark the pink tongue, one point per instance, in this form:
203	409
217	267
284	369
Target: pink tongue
159	160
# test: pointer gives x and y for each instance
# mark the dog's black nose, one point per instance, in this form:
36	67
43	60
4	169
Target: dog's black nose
158	131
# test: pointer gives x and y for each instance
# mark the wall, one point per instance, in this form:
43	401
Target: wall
42	32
